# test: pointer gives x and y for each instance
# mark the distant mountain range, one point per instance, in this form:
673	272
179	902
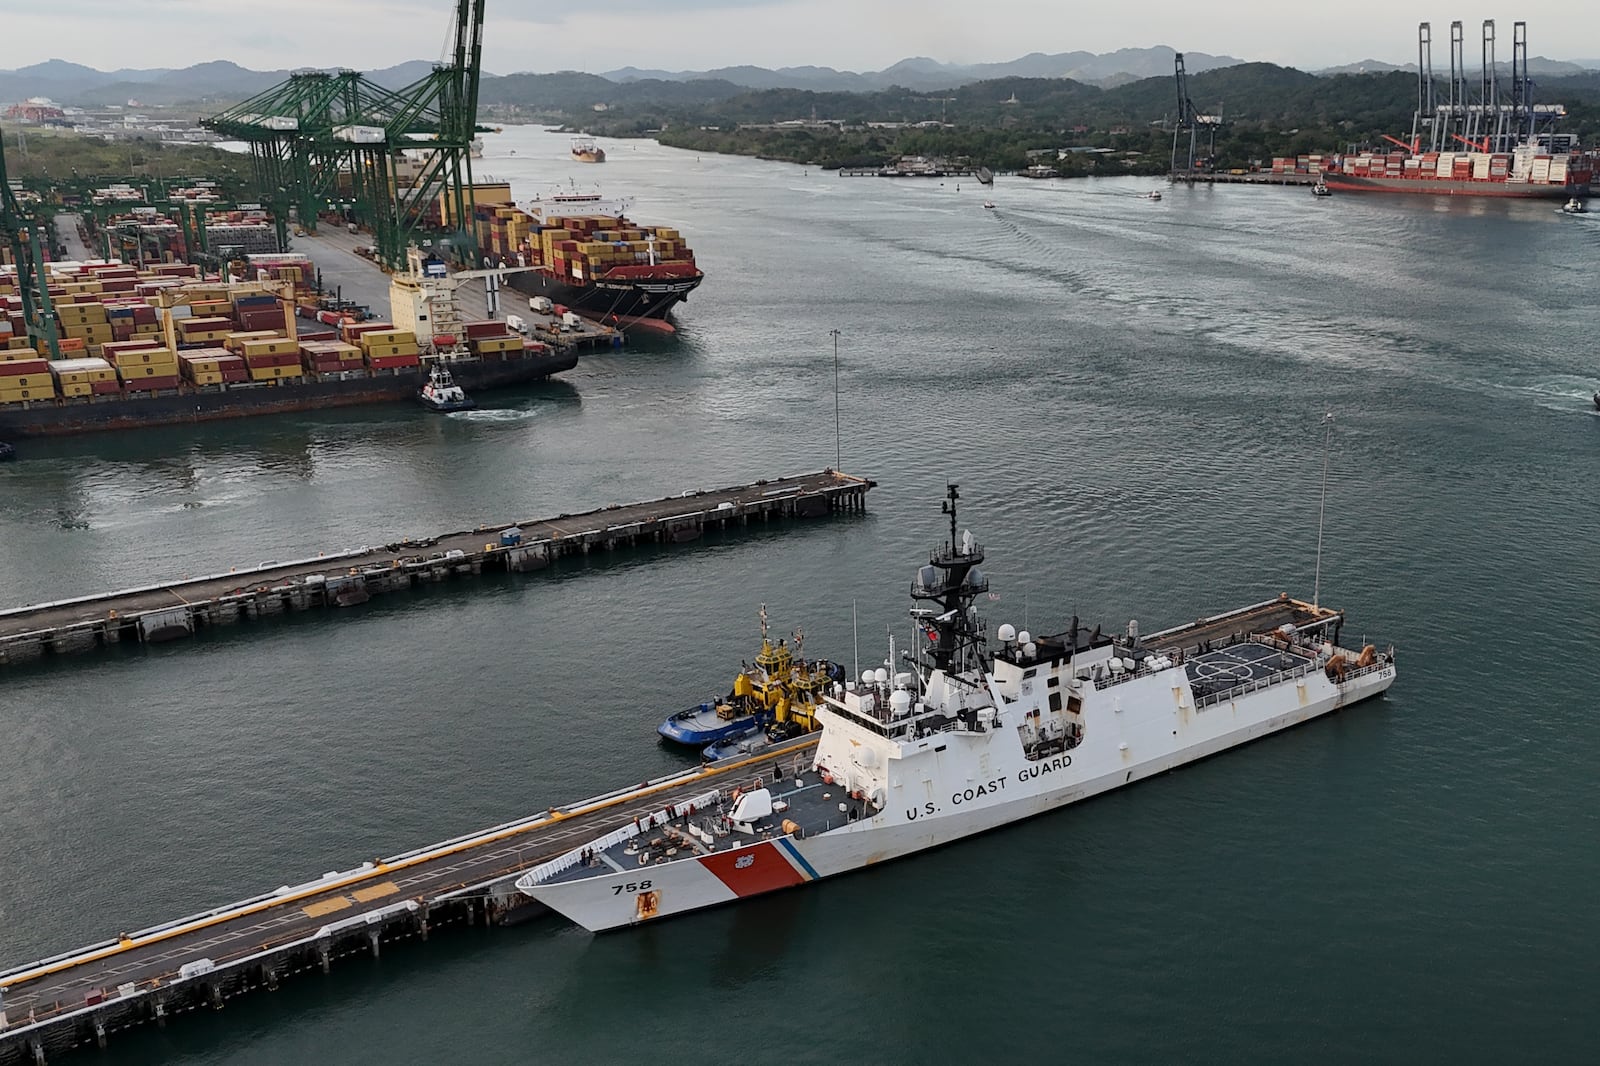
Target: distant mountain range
923	74
1538	67
73	83
220	81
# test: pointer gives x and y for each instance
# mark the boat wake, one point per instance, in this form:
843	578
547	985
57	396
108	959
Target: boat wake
1559	394
495	415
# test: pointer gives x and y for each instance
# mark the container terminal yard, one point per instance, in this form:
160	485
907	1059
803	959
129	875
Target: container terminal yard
83	996
161	612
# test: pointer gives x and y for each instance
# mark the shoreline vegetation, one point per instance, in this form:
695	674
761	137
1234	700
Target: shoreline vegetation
1010	124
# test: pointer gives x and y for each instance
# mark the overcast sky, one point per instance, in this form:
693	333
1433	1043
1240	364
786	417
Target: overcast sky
547	35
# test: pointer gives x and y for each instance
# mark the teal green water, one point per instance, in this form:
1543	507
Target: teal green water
1128	392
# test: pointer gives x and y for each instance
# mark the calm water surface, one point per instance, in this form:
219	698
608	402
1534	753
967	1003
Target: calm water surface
1128	392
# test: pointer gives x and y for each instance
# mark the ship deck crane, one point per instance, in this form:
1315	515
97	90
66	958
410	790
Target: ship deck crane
23	236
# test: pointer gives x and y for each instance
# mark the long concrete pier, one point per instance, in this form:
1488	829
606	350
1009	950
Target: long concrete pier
173	610
84	996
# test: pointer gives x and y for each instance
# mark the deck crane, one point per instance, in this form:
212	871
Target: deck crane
1192	122
22	234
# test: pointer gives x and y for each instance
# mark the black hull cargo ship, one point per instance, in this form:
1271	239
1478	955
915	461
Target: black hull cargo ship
206	403
624	301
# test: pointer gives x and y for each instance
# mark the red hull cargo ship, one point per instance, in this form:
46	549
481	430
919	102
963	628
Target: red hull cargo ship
1525	173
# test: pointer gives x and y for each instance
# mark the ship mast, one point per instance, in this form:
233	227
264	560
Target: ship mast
945	590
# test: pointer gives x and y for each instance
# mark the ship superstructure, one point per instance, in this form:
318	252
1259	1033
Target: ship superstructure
969	738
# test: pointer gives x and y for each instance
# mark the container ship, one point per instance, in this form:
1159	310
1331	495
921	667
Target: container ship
967	739
1526	172
162	348
588	257
1477	138
584	150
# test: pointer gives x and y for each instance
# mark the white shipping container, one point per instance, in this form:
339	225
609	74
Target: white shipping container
359	134
1480	167
1541	171
1558	171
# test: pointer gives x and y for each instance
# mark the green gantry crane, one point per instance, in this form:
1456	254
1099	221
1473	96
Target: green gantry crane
322	140
27	249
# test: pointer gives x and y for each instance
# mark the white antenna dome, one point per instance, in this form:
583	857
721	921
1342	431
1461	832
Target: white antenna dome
881	676
866	677
1024	637
1008	633
1030	649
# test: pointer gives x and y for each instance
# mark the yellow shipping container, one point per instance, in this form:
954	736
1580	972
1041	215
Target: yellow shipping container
206	377
28	381
378	351
153	370
18	395
235	341
276	346
386	337
147	357
81	370
496	344
18	352
274	373
76	388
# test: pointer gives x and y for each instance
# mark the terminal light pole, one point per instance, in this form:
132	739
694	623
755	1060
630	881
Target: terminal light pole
838	446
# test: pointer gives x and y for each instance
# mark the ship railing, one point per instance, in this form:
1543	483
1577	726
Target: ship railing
546	870
1256	685
1352	674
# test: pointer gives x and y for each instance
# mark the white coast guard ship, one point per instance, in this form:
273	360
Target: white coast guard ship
966	741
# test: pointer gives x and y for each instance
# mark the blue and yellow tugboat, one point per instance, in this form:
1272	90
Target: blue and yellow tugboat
777	692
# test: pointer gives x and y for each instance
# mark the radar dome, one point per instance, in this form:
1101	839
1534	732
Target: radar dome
881	676
1030	649
976	578
866	677
1024	637
1008	633
899	707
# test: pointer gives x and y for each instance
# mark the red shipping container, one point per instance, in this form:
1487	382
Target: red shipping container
255	321
105	388
280	359
351	330
480	330
391	362
151	384
25	367
115	348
